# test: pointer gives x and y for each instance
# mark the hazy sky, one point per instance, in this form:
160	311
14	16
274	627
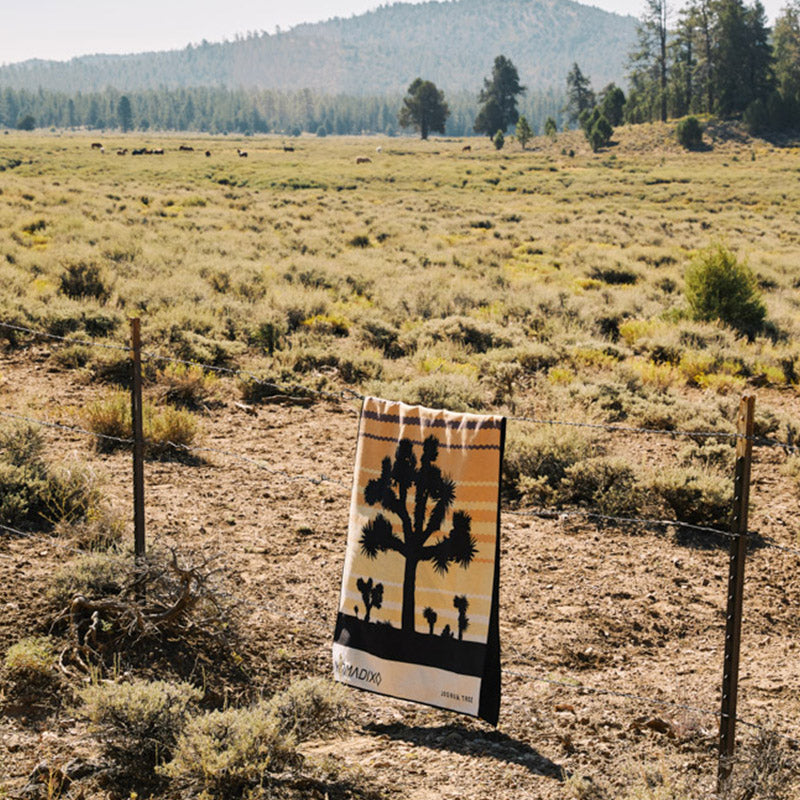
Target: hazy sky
57	29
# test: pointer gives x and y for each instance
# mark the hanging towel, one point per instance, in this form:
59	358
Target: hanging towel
418	610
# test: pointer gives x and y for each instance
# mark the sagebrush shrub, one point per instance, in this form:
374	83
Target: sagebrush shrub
228	751
720	287
607	485
187	386
139	721
82	279
166	429
33	492
537	460
28	672
695	496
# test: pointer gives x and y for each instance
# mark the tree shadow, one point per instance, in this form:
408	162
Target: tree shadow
458	739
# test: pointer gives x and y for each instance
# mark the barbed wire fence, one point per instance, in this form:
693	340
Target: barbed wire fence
741	538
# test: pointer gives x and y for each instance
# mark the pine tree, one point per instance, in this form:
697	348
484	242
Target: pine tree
499	98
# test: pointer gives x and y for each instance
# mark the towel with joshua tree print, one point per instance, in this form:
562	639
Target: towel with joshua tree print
418	610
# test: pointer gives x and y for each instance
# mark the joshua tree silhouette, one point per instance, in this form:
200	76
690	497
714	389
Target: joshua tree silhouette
372	595
391	491
461	604
430	616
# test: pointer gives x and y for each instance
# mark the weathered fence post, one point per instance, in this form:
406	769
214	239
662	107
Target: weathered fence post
733	620
138	440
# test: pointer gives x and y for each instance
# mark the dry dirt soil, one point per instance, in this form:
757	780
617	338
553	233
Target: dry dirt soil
634	615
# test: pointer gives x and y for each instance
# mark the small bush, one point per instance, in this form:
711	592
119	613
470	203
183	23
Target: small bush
30	659
695	496
85	279
36	493
28	671
187	386
719	287
452	392
536	462
310	707
690	133
607	485
92	575
228	751
139	722
166	430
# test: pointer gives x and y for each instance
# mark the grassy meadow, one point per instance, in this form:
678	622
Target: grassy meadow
544	283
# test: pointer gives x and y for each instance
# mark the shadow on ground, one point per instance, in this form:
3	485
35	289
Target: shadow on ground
458	739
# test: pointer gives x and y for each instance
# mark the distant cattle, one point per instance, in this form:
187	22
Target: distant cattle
466	148
208	153
241	153
122	152
186	148
363	160
379	149
97	145
138	151
159	151
287	148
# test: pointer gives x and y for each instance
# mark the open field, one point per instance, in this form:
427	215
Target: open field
546	284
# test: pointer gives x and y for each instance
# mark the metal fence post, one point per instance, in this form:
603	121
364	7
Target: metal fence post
733	620
138	440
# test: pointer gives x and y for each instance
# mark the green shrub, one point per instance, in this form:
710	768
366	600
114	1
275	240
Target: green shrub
36	493
30	659
608	485
719	287
187	386
310	707
451	392
166	430
695	496
537	460
228	751
139	722
499	140
28	674
690	133
93	575
474	335
82	279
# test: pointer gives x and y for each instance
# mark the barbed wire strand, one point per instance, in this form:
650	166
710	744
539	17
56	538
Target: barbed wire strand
351	394
579	687
565	515
343	394
323	478
259	464
62	426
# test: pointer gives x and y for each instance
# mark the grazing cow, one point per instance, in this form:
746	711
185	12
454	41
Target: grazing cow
186	148
287	148
159	151
466	148
242	153
379	149
103	150
363	160
97	146
138	151
122	152
208	153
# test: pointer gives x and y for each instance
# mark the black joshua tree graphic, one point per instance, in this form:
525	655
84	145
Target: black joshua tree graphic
371	595
428	483
461	604
430	617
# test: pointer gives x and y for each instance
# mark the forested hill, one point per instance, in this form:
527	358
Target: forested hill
451	43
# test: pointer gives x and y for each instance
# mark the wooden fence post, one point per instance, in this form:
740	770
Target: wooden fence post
138	440
733	620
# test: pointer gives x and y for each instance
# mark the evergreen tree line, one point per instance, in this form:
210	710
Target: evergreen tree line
242	111
718	57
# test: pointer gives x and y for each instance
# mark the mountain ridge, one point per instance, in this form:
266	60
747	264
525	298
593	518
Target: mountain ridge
452	43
